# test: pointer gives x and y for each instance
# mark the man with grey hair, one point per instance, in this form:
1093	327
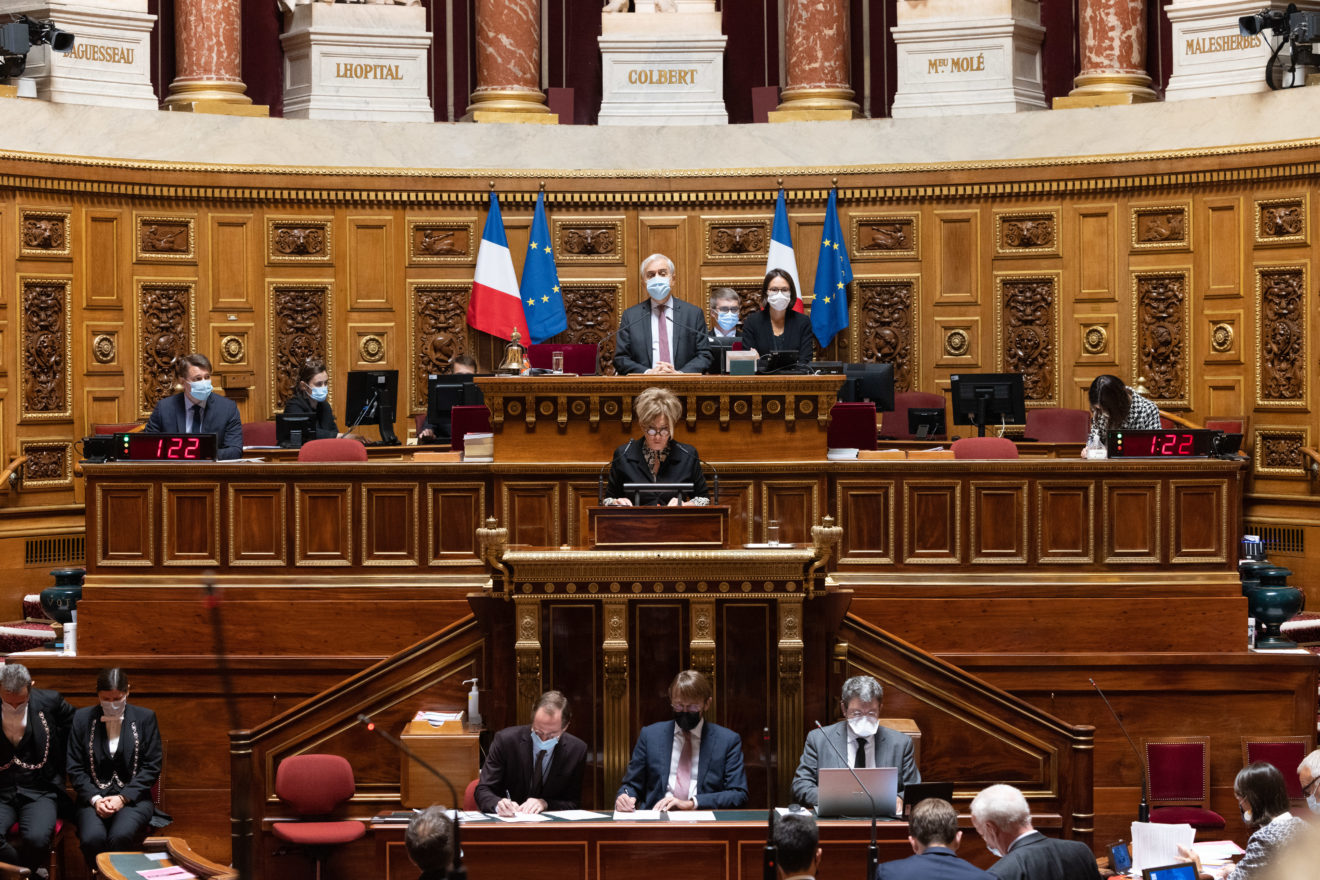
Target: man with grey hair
534	767
430	843
859	739
32	762
1003	819
1308	774
725	313
662	335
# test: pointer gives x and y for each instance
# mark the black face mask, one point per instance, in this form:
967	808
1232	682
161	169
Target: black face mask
687	720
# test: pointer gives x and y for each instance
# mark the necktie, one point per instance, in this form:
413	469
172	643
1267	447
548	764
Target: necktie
196	419
664	334
683	774
860	760
538	774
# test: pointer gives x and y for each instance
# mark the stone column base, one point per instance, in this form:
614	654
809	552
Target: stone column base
1108	90
218	97
509	105
815	105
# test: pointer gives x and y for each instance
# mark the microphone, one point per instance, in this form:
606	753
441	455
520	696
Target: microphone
600	482
715	480
770	855
211	598
873	851
1143	810
456	870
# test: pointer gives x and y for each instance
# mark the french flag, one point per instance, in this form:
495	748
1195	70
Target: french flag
781	249
495	306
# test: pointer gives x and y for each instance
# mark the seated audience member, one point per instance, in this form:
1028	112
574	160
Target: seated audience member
429	840
115	757
725	313
1262	796
657	457
881	747
534	767
663	334
463	364
310	397
195	410
687	763
1308	774
934	835
1003	819
32	760
776	327
1114	407
797	846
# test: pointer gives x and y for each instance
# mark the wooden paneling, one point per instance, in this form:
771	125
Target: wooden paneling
126	517
1065	518
190	524
323	524
106	245
258	518
372	261
531	513
932	522
454	510
795	505
866	515
999	530
234	251
389	524
1132	523
1199	530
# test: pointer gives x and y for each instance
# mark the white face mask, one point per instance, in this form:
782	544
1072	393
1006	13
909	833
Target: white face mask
778	301
1313	802
864	727
14	711
658	288
200	390
114	708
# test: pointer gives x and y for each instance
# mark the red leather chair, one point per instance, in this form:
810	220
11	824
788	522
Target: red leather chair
580	358
852	426
259	434
1057	425
1284	752
468	420
1179	772
894	425
333	449
55	868
123	428
985	448
314	785
470	795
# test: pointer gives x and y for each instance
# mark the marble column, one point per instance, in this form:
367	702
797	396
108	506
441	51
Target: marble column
208	55
816	47
1113	45
509	64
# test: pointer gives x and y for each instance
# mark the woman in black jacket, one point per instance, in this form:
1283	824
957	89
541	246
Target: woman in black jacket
776	327
657	457
310	398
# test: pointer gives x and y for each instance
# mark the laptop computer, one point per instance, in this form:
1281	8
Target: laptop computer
1181	871
839	795
917	792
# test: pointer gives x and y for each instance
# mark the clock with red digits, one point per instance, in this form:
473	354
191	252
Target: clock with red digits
167	447
1173	443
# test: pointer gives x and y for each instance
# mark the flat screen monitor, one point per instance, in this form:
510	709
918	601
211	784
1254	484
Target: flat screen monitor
923	423
292	431
720	346
443	393
370	400
652	494
986	398
873	382
1182	871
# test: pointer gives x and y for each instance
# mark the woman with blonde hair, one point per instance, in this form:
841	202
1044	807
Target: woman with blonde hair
657	457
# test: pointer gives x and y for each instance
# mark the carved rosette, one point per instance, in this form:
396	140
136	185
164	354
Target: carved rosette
298	239
887	325
957	342
593	317
1027	318
49	464
166	239
438	330
1279	452
1281	221
586	240
1034	234
300	329
433	242
104	348
1095	339
45	234
46	346
233	349
738	239
1221	337
884	237
1161	227
1159	304
1281	319
371	348
165	331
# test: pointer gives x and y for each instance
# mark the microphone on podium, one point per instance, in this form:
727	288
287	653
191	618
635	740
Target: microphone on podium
770	855
1143	809
873	851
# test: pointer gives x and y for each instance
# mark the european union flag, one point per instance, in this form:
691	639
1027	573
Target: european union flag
542	302
829	308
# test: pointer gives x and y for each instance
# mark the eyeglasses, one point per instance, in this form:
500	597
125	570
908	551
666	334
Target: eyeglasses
777	290
727	310
688	707
546	734
657	432
1310	786
857	716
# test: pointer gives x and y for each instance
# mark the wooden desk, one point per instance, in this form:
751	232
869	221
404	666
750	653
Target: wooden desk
126	865
634	528
450	748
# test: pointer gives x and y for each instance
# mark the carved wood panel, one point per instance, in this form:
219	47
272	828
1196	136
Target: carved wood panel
258	517
1161	227
1027	234
1198	523
738	239
49	464
323	524
1281	315
389	525
593	318
1065	523
794	504
441	241
437	326
885	237
1281	221
530	511
1279	451
166	239
125	525
190	524
1160	303
865	511
45	234
165	330
454	511
588	240
887	327
298	240
998	530
1027	321
45	342
932	522
1132	523
300	329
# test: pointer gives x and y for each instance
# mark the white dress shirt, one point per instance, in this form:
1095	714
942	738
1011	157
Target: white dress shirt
869	745
677	750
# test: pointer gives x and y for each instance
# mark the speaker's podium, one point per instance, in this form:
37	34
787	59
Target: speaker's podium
641	528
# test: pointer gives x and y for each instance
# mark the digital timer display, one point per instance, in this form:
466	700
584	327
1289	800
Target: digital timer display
167	447
1186	443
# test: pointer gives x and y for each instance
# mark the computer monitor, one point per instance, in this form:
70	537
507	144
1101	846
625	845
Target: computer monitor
873	382
292	431
982	398
923	423
443	393
370	400
720	346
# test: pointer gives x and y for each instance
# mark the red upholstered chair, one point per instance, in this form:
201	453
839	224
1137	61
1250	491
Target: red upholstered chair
1284	752
1178	768
894	425
852	426
419	421
122	428
468	420
55	869
333	449
1058	425
259	434
985	448
314	785
580	358
470	795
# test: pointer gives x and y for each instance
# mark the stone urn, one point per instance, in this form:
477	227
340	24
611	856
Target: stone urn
1272	604
60	600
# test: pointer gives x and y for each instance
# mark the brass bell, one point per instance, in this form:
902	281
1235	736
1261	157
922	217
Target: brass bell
514	357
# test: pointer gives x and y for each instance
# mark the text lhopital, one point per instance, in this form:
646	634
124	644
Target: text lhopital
349	70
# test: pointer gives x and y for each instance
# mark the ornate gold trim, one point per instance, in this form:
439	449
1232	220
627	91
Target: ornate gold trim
346	493
1057	559
60	252
149	560
281	537
973	508
104	348
272	326
565	257
66	281
911	252
432	524
275	257
767	485
1135	276
371	348
1056	342
168	489
1265	432
1095	339
141	255
909	511
417	258
1221	337
1004	248
233	349
143	284
1225	541
1303	401
765	222
1110	554
411	561
888	489
1139	211
1302	236
64	482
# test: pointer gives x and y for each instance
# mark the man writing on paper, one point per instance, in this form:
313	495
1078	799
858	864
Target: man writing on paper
534	767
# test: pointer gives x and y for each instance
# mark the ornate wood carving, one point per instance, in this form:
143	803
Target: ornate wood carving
1035	234
737	238
45	234
49	465
1160	316
435	241
587	239
1221	337
593	318
1028	318
1161	227
438	329
1281	221
165	238
233	349
885	237
165	331
298	239
1281	319
300	328
1095	339
45	342
104	348
957	342
886	331
1279	452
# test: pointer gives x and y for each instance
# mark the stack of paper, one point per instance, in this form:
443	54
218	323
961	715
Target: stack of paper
1156	845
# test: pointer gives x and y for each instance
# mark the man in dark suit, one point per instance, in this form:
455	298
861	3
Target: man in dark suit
1003	819
32	755
663	334
195	410
934	835
687	763
534	767
860	730
430	843
797	846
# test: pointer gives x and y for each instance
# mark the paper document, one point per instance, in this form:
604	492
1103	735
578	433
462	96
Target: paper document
1217	850
691	816
525	817
171	873
470	816
638	816
156	856
575	815
435	719
1155	845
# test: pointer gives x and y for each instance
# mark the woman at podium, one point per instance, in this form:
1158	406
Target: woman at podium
674	468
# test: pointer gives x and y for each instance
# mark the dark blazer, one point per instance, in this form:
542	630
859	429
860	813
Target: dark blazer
629	466
130	771
758	334
892	749
43	747
936	863
219	416
688	347
721	782
303	405
508	768
1037	857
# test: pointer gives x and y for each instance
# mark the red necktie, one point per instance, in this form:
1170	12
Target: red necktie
664	335
683	774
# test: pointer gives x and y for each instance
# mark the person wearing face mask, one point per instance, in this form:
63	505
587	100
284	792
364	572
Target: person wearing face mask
662	335
115	757
1001	816
32	760
1308	774
859	739
1262	796
311	397
686	763
657	457
725	314
534	767
776	327
196	410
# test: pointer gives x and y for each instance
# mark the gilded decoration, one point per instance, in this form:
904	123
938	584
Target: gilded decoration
232	349
1095	339
300	329
748	290
298	240
587	240
46	344
1221	337
45	234
437	328
1161	227
957	342
886	329
1279	451
104	348
1281	221
438	242
49	464
1027	324
1160	315
885	237
371	348
165	239
165	331
593	310
1027	234
738	239
1281	364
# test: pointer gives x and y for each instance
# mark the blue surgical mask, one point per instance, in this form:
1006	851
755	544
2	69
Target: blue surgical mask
542	745
994	851
200	390
320	392
1313	802
727	321
658	288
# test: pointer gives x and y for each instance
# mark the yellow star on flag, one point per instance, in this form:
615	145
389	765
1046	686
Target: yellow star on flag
555	289
840	285
835	245
547	250
545	299
533	245
531	302
827	241
826	300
